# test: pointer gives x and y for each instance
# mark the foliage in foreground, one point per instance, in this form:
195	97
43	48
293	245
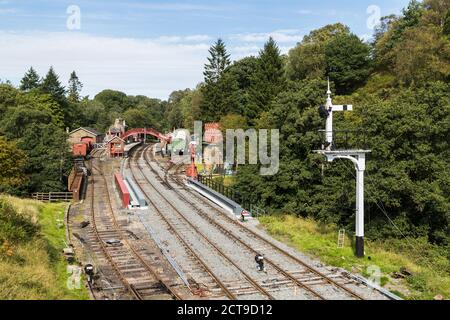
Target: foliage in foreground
31	241
428	265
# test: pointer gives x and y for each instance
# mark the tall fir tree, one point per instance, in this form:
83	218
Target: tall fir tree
52	86
218	62
267	81
213	95
31	80
75	87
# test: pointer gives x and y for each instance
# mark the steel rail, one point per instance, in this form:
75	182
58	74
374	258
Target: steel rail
309	268
249	279
132	248
120	275
228	293
238	240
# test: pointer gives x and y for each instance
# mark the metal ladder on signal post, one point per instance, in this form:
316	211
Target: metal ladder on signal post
341	238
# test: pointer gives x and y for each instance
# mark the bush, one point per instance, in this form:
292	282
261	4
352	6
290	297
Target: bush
15	227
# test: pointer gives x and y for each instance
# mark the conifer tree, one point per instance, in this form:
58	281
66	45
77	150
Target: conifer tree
268	80
75	87
218	62
213	94
31	80
52	86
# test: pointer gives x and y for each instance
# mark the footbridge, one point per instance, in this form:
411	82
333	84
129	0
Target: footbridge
145	131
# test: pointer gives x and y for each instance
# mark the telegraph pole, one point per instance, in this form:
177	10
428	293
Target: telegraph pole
358	158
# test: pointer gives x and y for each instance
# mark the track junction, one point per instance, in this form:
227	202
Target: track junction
185	247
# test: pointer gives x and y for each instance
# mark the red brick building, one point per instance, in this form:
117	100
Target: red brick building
116	147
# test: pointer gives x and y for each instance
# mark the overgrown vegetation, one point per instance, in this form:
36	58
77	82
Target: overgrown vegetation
32	237
426	263
399	86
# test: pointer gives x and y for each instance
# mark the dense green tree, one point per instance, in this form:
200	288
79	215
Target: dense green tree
391	35
52	86
75	87
267	81
175	117
112	100
49	157
423	56
232	121
174	113
139	118
218	61
31	80
30	108
446	28
8	98
308	59
435	13
348	62
12	162
218	86
190	106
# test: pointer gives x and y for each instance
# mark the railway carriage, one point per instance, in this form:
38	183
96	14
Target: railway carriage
81	149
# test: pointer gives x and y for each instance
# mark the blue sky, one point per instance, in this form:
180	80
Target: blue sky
155	47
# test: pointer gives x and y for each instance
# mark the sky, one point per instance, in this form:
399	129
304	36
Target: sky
155	47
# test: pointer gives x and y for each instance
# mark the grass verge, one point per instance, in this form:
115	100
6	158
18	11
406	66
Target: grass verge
428	265
32	267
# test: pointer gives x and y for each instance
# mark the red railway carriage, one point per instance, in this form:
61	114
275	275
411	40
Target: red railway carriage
80	149
123	190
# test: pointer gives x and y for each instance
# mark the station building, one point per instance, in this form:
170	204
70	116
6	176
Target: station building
85	134
115	147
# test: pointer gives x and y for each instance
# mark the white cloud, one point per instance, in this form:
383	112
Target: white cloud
153	67
281	36
181	39
135	66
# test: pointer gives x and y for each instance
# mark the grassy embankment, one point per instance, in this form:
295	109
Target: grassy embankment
429	266
32	237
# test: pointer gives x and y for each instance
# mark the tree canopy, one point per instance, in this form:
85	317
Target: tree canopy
398	84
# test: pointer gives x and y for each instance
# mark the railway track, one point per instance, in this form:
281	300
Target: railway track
278	280
209	281
309	278
138	277
244	288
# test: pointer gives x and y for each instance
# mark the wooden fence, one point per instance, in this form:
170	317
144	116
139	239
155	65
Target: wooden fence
53	196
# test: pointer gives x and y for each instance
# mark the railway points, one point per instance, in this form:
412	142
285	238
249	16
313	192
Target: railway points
152	236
